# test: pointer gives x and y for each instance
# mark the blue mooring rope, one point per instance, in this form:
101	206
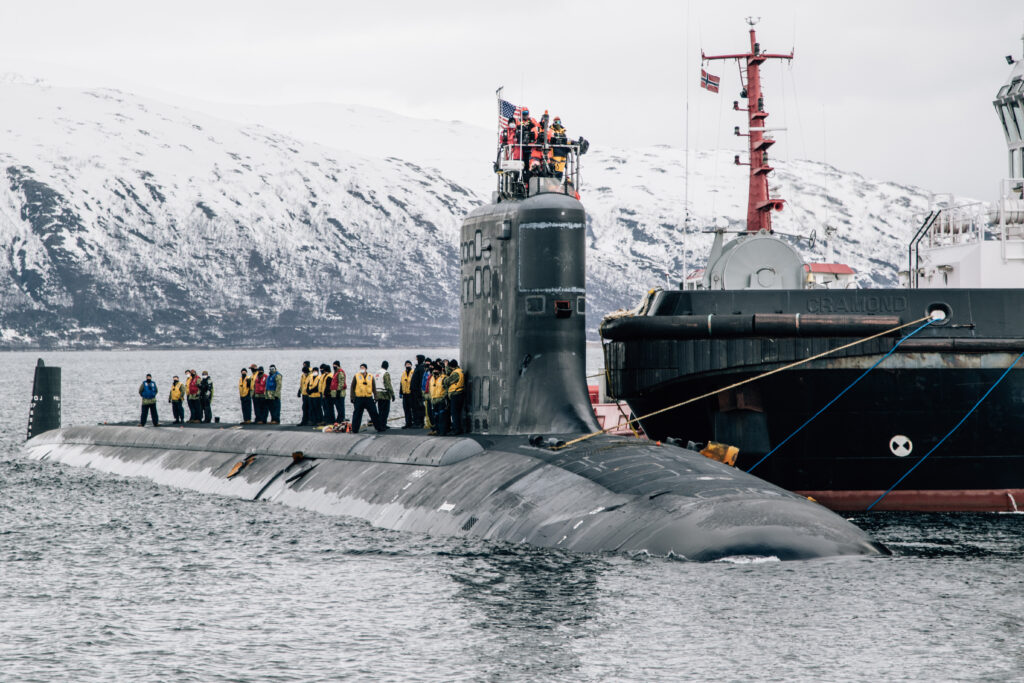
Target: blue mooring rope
950	433
839	395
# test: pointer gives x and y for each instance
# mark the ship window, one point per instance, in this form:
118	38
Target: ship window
1002	120
1018	116
1011	124
551	257
478	244
485	393
486	275
581	304
534	305
477	284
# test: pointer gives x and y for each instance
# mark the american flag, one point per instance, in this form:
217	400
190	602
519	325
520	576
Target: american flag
709	82
506	111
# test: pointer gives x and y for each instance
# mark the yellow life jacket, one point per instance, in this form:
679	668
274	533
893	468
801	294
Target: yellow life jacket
243	387
364	385
324	384
437	387
177	391
304	383
313	386
406	381
460	382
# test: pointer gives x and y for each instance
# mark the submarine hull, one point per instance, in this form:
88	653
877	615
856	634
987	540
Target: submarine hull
608	494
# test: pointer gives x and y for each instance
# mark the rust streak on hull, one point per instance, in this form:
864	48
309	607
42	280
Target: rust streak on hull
943	500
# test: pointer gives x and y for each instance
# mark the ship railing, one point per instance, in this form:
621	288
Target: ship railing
1007	216
521	174
945	225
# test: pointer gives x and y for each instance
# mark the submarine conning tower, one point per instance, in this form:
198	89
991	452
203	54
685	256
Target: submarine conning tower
523	338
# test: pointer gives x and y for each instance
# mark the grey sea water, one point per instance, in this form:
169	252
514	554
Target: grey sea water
104	578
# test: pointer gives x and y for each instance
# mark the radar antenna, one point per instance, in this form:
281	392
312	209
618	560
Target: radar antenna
759	203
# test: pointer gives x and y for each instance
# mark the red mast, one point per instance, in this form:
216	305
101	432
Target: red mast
759	204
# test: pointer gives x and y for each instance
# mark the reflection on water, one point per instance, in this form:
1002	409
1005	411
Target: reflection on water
527	608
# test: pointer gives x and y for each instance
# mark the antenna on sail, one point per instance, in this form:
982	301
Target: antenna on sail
759	202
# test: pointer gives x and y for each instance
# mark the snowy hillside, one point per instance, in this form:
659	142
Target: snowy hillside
130	221
126	220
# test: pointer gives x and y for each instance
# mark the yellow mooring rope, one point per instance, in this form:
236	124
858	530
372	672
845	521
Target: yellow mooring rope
741	383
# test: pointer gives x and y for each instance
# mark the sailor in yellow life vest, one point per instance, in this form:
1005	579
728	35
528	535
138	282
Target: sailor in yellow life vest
175	398
362	399
438	401
303	393
324	387
405	391
245	396
455	384
316	415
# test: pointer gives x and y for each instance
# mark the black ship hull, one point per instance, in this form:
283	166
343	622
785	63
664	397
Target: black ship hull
870	437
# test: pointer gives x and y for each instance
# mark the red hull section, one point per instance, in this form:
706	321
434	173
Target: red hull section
949	500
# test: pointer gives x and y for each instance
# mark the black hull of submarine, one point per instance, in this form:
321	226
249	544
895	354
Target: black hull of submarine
523	346
608	494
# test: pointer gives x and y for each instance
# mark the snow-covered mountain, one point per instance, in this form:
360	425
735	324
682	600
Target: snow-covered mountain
130	221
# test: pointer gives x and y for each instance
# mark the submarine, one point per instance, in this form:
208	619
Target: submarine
523	473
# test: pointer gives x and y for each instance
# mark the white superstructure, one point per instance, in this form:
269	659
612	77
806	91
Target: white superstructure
967	246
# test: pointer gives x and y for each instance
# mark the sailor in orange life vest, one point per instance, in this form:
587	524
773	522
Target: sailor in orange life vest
362	399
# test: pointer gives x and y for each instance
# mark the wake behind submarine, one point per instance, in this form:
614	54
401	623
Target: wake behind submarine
523	303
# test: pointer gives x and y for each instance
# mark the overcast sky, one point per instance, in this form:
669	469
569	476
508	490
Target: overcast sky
897	90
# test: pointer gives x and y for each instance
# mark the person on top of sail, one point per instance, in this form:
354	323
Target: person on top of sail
559	147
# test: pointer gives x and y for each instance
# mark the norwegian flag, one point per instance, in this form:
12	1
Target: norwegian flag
709	82
506	112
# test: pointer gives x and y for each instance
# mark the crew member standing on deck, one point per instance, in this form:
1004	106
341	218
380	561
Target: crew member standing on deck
259	395
327	376
338	388
324	386
313	396
148	392
303	393
245	396
428	410
362	399
559	147
175	398
273	394
206	397
192	396
455	383
416	387
405	390
384	393
438	401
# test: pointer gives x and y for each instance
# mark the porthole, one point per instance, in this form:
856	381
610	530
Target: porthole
940	313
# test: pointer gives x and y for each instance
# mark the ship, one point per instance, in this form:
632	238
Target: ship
534	467
904	398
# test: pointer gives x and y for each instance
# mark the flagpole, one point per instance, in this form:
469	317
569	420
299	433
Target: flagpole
497	97
686	148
